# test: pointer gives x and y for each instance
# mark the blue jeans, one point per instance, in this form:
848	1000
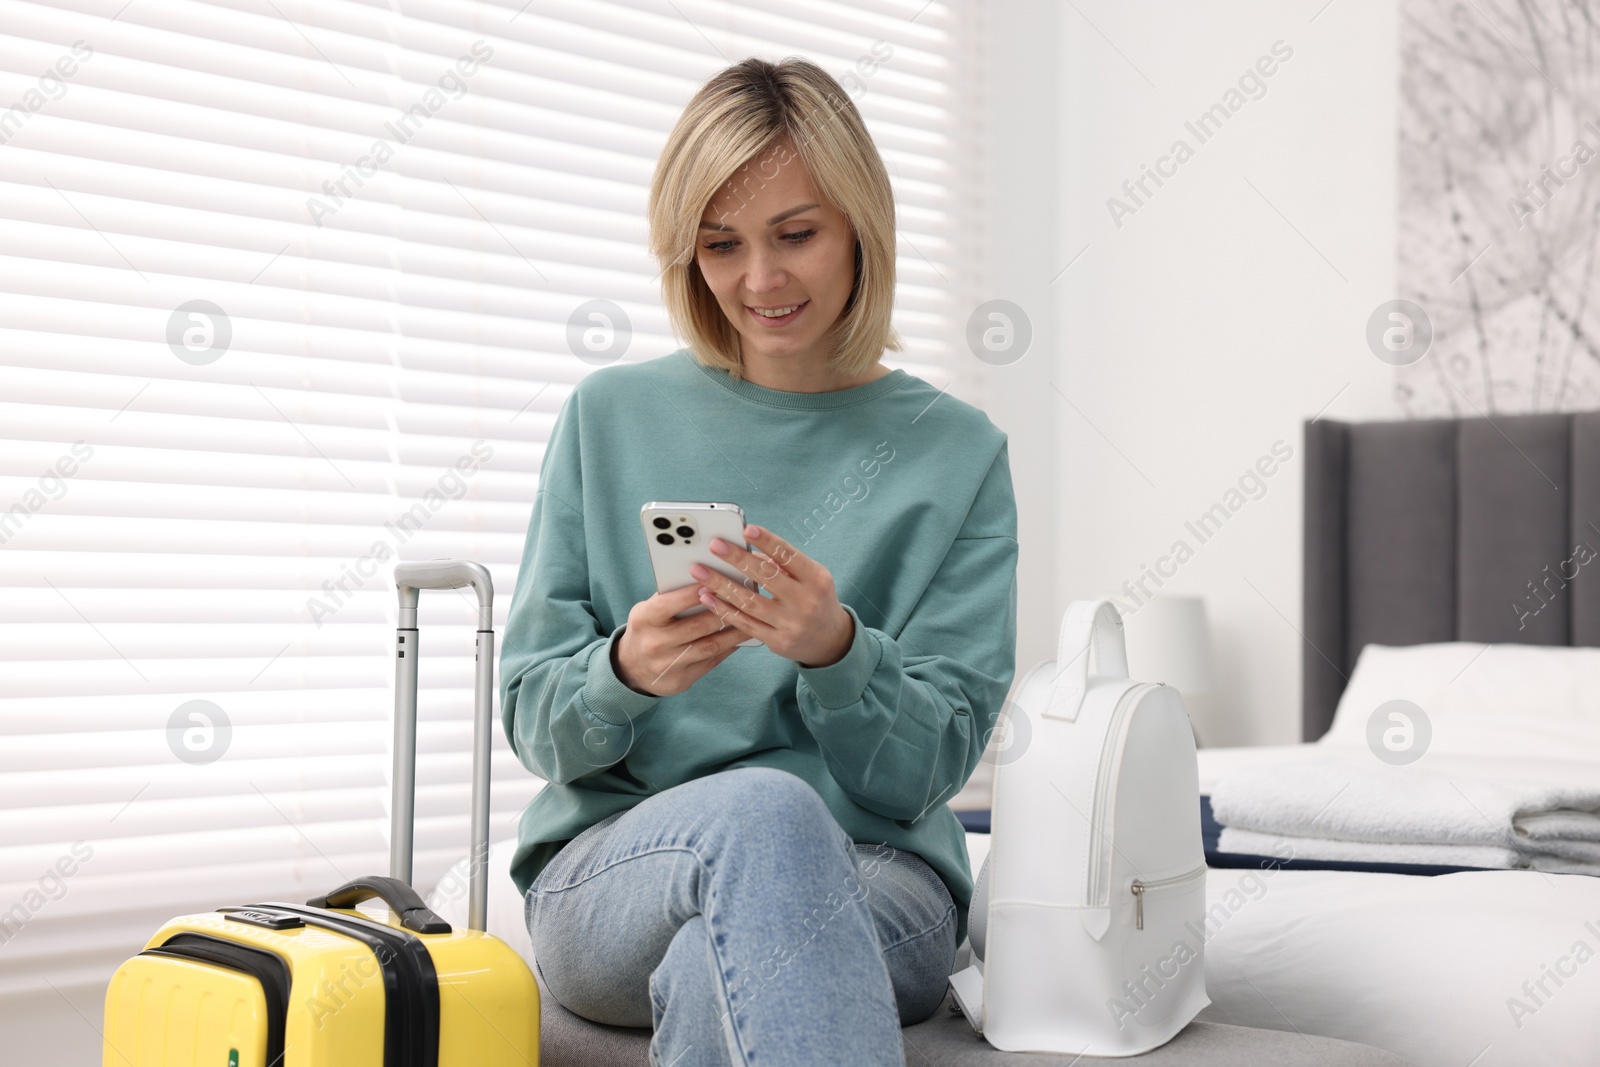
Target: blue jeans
734	916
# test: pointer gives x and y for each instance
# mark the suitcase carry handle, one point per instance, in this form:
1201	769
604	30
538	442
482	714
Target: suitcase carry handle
410	578
414	914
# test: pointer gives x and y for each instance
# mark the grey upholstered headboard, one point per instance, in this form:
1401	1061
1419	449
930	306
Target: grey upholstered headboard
1481	529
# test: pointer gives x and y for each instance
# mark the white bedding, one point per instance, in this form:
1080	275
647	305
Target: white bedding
1441	970
1430	968
1482	968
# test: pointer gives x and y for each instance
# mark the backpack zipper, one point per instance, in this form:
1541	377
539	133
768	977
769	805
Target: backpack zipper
1140	887
1097	847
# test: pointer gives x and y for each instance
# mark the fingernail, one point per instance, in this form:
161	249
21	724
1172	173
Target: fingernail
752	532
700	571
719	546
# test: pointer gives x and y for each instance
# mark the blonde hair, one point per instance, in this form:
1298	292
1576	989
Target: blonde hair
739	114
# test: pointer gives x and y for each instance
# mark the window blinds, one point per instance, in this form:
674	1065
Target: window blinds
284	297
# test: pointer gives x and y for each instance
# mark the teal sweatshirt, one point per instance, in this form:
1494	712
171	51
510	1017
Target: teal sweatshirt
901	491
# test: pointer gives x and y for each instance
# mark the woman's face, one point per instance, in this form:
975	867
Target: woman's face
767	241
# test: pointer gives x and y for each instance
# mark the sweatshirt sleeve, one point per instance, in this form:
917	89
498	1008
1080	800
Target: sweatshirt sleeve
902	721
565	711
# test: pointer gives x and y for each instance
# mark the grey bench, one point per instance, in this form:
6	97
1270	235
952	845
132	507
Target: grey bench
947	1040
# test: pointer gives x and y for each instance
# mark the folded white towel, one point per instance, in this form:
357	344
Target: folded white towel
1354	797
1254	843
1558	826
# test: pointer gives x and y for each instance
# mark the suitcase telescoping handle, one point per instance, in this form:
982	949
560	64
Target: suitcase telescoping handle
411	578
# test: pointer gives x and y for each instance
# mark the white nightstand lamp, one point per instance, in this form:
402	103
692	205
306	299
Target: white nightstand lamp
1169	640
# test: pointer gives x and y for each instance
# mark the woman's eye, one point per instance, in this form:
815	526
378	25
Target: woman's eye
722	248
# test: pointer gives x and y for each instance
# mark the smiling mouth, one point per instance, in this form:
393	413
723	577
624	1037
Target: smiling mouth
777	316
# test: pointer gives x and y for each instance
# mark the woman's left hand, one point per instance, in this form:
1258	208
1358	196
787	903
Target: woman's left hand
802	620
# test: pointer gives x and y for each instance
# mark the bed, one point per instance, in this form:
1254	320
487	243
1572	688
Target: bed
1433	533
1416	533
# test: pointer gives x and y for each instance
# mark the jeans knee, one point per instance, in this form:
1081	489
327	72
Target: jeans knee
768	797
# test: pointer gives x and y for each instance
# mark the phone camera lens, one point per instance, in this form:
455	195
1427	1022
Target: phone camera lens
664	538
686	531
661	522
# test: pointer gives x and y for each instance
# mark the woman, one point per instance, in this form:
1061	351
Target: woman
749	850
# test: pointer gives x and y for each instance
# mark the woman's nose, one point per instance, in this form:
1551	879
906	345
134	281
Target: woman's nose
764	274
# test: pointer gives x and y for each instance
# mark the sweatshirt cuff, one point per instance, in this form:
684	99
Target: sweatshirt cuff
607	697
838	685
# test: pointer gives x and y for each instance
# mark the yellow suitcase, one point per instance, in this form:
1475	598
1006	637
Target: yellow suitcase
322	984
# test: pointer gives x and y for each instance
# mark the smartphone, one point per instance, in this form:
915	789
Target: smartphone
679	532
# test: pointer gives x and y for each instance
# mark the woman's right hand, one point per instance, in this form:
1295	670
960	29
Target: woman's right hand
661	655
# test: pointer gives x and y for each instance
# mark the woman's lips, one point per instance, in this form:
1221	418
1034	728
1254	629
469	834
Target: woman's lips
766	321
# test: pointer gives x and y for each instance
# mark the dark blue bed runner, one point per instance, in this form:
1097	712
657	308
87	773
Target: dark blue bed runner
1210	831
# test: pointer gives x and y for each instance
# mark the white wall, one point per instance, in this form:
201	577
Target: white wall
1225	311
1019	87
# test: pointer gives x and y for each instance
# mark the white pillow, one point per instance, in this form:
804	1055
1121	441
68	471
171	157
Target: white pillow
1503	699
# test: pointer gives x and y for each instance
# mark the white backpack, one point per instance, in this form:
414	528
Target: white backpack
1085	940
